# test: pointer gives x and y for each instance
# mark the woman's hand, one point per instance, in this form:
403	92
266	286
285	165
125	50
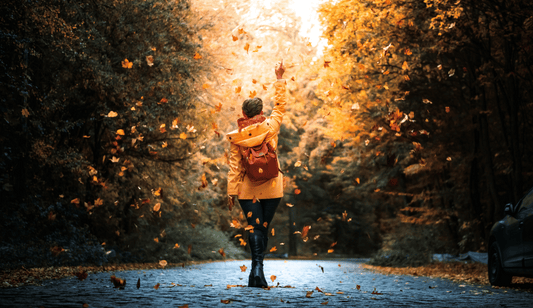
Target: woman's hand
280	70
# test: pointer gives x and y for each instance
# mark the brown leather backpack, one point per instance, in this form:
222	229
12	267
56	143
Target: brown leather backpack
260	162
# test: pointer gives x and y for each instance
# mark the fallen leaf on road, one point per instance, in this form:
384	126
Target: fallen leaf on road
376	292
225	301
309	293
324	303
184	306
318	289
157	286
82	275
358	287
118	282
328	294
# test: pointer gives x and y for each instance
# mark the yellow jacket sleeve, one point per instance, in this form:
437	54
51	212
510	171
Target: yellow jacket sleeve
280	100
236	171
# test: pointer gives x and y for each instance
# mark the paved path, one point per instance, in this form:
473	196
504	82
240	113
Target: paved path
206	285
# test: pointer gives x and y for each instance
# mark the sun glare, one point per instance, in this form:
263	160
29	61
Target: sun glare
307	11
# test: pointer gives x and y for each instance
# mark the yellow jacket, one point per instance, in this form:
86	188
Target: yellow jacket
238	183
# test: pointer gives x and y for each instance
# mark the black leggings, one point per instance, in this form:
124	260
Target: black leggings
262	211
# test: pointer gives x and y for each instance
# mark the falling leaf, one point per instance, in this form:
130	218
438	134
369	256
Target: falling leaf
405	66
447	109
249	228
273	232
241	31
238	90
265	224
273	249
264	87
344	215
246	47
157	286
249	214
157	206
242	242
309	293
408	52
120	132
56	250
176	246
85	305
51	216
112	114
156	239
252	94
243	268
297	191
183	136
138	283
273	277
426	101
205	86
218	108
149	60
326	64
221	252
305	230
197	56
358	287
318	289
439	66
254	81
234	37
292	78
127	64
290	205
163	263
330	250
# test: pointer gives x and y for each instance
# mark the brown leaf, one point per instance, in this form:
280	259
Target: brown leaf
157	286
243	268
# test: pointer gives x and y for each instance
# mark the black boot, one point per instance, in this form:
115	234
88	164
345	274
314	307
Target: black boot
257	277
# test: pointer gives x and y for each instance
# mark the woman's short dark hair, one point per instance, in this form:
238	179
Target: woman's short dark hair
252	107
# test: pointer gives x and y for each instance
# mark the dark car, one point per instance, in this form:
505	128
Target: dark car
511	243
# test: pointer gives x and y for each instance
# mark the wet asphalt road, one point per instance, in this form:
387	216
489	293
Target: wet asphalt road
206	285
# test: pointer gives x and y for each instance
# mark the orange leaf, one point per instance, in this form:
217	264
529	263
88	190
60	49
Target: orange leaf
183	136
176	246
265	224
264	87
326	64
118	282
257	221
273	249
254	81
238	90
297	191
305	230
309	293
149	60
225	301
184	306
292	78
318	289
120	132
197	56
242	242
243	268
241	31
273	277
157	206
205	86
163	100
252	94
273	232
218	108
246	47
163	263
249	228
156	240
127	64
157	286
221	252
234	37
330	250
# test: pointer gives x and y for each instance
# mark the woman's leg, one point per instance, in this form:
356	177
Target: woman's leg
253	212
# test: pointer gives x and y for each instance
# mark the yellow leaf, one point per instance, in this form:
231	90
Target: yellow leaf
197	56
120	132
205	86
127	64
112	114
183	136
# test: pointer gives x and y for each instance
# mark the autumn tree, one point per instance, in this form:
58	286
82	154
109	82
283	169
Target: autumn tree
422	86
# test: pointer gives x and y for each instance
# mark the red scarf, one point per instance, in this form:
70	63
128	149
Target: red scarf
245	122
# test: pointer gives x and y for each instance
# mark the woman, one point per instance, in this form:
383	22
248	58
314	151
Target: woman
258	200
